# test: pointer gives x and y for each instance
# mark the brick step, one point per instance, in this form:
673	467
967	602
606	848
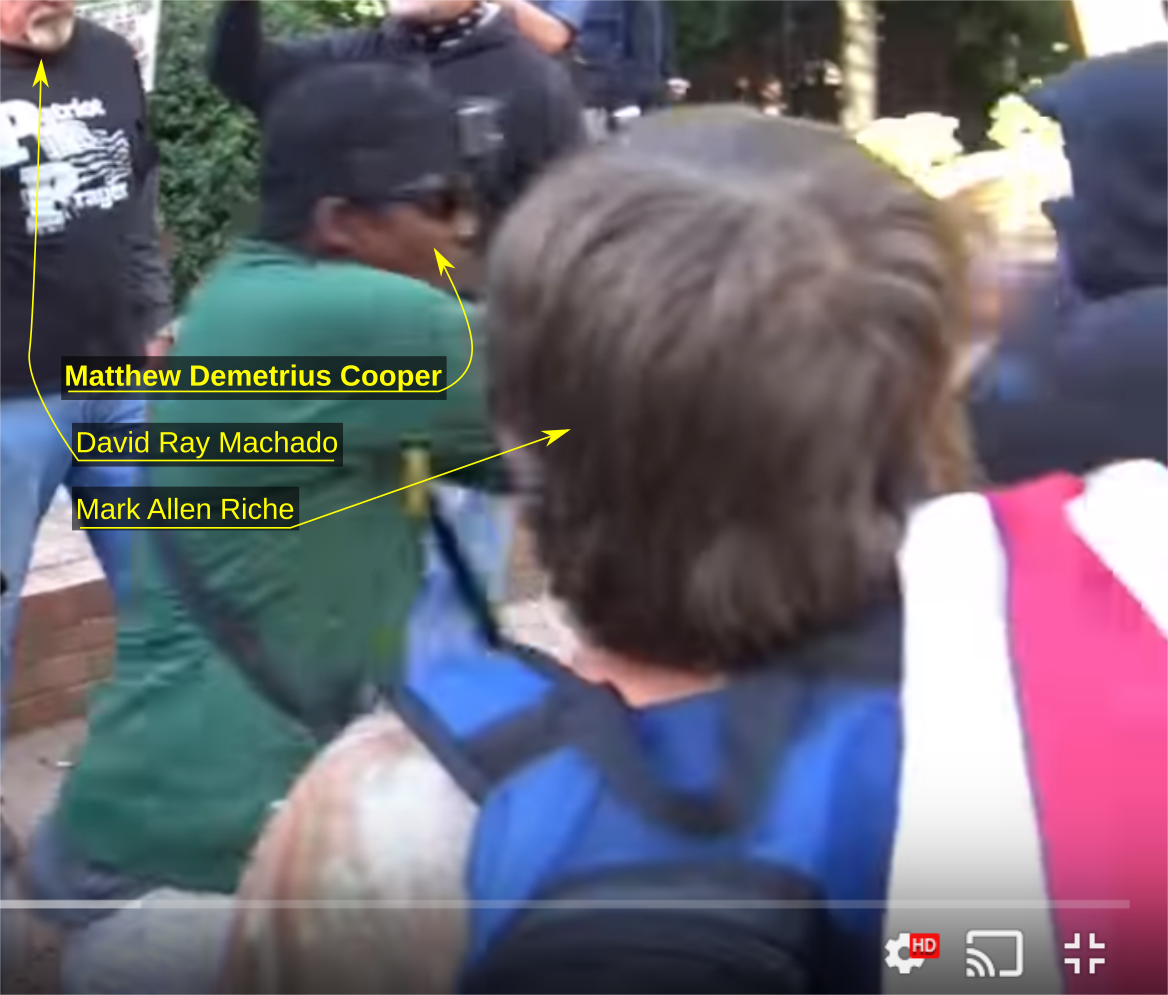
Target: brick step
65	640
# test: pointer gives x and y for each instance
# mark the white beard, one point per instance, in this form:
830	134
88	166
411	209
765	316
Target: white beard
50	33
411	9
421	11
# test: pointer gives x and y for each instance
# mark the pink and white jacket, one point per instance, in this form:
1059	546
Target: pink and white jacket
1034	786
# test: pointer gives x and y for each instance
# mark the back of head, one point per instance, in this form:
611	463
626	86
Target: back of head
1113	112
750	325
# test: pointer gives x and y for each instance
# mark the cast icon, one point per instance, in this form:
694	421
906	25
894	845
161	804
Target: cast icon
978	964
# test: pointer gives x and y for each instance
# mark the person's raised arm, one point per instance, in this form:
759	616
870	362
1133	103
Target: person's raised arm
246	68
147	275
550	26
236	60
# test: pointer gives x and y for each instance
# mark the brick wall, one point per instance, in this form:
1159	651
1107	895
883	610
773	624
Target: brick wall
65	641
64	645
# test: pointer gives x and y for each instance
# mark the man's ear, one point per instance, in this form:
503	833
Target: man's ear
333	229
468	226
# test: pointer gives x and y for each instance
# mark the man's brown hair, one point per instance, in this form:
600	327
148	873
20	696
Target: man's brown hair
749	326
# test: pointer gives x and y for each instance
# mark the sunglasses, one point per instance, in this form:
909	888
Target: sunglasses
440	198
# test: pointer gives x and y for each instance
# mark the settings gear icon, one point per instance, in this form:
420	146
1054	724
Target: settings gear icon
896	950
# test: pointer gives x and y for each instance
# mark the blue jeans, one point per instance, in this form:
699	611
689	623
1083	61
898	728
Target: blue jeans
34	462
440	619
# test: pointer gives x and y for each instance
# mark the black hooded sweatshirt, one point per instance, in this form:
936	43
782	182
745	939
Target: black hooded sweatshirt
1084	382
540	115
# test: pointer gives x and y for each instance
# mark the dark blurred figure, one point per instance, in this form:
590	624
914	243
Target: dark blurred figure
621	52
470	49
772	102
1083	380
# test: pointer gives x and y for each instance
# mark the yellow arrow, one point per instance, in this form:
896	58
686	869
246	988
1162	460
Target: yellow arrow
40	83
443	266
548	436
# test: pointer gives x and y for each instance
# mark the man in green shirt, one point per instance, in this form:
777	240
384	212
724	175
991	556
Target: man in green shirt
185	756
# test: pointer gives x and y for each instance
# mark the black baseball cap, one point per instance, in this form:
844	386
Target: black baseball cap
369	132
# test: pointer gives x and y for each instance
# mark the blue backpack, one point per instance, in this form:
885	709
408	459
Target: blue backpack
734	842
737	841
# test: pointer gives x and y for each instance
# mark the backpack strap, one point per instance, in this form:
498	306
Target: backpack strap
241	644
467	584
463	700
1092	685
238	641
421	502
485	730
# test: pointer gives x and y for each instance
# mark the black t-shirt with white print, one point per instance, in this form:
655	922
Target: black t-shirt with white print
95	155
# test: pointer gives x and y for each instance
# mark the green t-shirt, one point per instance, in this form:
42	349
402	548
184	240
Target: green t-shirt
184	759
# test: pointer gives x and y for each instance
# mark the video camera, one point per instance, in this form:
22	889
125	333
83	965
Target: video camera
480	144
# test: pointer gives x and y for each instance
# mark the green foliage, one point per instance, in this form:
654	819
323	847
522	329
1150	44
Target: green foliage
1001	46
345	13
209	148
706	28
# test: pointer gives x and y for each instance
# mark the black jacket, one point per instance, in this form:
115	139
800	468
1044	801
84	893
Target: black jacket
540	116
1084	380
102	285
